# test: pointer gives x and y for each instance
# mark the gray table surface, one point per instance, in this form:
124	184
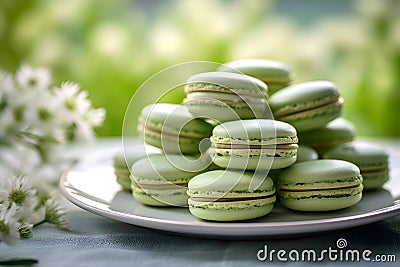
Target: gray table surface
96	241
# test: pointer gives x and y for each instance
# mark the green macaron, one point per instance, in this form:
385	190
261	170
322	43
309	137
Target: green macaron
172	128
336	132
274	73
372	160
123	160
226	195
224	96
320	185
307	106
254	144
161	179
306	153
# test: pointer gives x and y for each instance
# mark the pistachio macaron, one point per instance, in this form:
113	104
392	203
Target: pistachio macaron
372	160
172	128
306	153
275	74
336	132
320	185
307	106
124	159
161	179
254	144
224	96
226	195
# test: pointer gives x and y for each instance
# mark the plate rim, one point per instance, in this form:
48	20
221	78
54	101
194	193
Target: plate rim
213	229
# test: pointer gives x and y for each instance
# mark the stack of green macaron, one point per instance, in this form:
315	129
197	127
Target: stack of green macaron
244	133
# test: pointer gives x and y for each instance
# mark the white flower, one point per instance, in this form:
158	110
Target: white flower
42	110
74	100
18	191
33	79
96	116
55	214
25	229
35	122
83	131
77	112
6	84
9	224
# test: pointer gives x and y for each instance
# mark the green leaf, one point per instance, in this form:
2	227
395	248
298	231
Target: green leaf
14	262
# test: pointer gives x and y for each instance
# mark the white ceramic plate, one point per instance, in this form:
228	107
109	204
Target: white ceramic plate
95	189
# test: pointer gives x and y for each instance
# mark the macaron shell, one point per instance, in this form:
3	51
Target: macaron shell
237	83
320	204
124	159
163	168
174	118
125	182
255	132
334	133
275	74
208	108
370	158
173	143
306	153
230	212
230	180
375	180
172	128
303	96
307	106
319	171
315	118
366	155
259	163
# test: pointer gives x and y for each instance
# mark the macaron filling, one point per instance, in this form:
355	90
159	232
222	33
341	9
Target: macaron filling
156	133
238	199
330	184
332	106
370	173
283	150
216	88
322	192
158	128
153	186
225	98
233	204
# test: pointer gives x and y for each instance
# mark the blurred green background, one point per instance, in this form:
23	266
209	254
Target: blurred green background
111	47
